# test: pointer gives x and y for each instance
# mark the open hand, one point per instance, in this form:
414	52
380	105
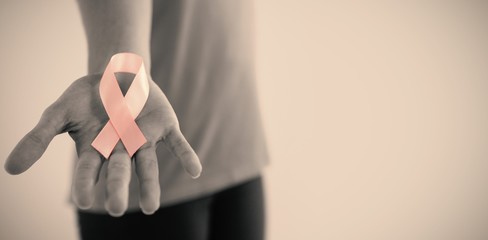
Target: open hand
79	111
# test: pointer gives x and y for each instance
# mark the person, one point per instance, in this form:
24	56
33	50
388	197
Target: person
202	112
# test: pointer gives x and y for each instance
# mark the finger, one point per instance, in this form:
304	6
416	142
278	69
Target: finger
85	178
184	152
148	175
31	147
118	178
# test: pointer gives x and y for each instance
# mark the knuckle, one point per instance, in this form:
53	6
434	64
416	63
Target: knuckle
35	137
50	111
148	163
52	118
186	156
84	184
86	166
172	135
116	184
179	142
148	182
149	145
123	166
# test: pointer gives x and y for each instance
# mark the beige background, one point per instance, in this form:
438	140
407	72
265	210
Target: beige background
376	114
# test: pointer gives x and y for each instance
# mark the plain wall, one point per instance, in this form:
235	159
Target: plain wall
376	115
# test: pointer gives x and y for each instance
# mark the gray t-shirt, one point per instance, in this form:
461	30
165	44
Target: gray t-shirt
202	58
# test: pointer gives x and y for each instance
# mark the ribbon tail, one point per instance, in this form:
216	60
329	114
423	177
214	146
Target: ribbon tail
106	140
132	138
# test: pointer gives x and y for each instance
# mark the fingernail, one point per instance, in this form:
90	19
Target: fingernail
148	212
195	171
115	211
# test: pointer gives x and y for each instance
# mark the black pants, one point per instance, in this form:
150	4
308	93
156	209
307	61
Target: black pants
236	213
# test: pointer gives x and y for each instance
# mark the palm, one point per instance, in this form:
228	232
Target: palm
79	111
88	115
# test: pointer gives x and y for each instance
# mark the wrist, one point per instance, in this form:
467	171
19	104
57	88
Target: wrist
98	60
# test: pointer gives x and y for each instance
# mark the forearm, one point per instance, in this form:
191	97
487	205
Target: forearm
114	26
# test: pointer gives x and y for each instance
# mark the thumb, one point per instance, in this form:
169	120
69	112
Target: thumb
31	147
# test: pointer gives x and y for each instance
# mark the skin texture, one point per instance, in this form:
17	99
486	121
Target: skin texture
79	111
111	26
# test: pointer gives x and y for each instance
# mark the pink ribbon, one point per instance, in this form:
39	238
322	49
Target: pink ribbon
122	111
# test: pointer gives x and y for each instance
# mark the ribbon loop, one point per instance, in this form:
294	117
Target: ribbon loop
122	111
